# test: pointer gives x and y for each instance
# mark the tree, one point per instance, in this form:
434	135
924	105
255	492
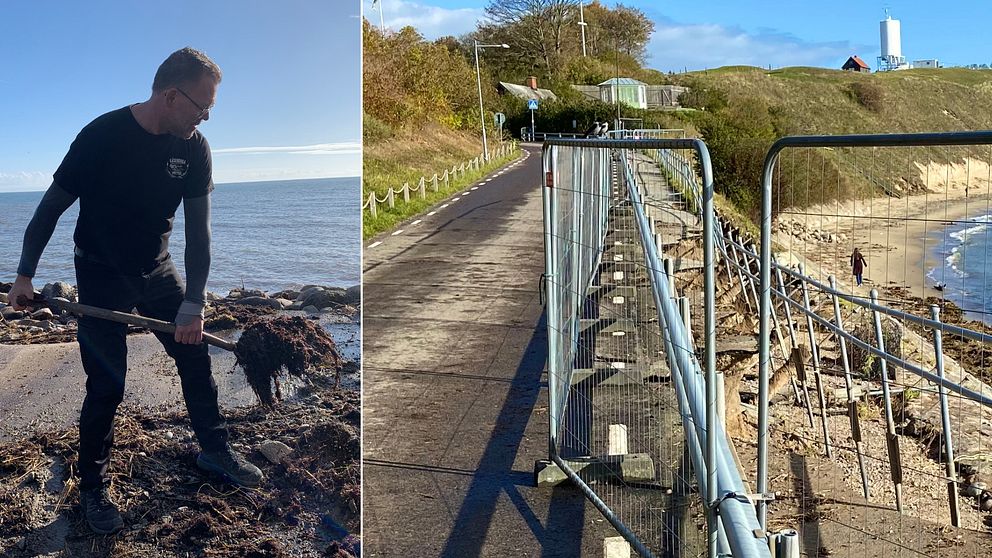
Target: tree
625	29
537	27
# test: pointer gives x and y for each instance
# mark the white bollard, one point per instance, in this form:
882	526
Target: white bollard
616	547
617	440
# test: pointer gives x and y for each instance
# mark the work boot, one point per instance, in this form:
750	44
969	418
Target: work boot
101	514
231	465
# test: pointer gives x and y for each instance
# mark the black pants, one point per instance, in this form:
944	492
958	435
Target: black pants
155	293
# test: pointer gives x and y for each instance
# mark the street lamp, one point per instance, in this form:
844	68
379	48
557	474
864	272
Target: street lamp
478	80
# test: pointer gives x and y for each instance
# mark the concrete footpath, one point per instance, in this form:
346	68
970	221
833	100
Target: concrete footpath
455	399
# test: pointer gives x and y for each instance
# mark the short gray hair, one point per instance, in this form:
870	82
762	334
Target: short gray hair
186	66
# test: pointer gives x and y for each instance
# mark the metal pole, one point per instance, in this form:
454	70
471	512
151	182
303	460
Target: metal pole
382	25
945	422
533	129
582	26
709	333
482	113
892	440
816	365
852	406
739	267
552	302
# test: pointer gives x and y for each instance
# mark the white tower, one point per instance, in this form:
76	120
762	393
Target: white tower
891	58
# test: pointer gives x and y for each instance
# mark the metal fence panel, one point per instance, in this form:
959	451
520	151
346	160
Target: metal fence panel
897	398
635	444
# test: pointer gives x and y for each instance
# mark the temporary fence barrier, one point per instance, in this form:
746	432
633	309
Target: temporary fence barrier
633	414
870	365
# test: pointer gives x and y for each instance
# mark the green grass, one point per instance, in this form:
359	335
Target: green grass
820	101
406	164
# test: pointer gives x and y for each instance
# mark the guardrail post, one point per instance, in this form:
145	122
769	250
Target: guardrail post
406	192
423	187
670	273
792	330
436	179
785	352
945	422
373	210
739	267
750	251
390	198
891	438
852	405
816	363
686	319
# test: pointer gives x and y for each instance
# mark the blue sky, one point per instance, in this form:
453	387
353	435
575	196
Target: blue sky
714	33
288	106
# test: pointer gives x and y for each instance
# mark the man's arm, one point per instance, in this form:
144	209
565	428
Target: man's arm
36	237
189	319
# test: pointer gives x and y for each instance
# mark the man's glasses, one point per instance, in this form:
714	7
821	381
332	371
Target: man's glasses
203	110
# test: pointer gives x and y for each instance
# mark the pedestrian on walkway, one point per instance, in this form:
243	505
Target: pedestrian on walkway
858	264
130	169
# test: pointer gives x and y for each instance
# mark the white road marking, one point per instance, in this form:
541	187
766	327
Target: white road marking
374	244
397	232
431	213
475	187
443	206
415	222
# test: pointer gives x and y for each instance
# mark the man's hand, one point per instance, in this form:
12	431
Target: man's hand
191	333
22	287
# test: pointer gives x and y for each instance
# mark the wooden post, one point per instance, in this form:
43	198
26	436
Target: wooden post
852	405
945	422
373	210
891	438
814	350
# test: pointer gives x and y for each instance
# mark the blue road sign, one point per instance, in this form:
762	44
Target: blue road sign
532	104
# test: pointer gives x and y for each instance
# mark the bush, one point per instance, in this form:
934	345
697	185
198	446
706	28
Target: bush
868	95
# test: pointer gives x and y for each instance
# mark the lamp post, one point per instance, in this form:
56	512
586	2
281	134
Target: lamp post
582	26
478	80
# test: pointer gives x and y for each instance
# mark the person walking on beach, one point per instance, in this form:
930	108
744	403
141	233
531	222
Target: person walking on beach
858	265
130	169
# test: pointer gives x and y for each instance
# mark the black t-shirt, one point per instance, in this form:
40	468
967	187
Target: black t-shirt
130	183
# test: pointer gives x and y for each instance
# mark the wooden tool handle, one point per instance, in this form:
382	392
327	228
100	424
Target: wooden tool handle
121	317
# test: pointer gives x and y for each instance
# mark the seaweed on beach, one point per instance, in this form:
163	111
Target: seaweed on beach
171	508
269	348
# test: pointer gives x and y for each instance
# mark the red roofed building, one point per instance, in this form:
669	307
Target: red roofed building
855	64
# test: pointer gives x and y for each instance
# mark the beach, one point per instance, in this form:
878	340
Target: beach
897	236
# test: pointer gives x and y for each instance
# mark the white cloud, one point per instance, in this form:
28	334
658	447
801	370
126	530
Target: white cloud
26	180
344	148
699	46
431	21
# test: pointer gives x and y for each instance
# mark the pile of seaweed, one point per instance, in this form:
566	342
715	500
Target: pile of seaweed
295	345
307	506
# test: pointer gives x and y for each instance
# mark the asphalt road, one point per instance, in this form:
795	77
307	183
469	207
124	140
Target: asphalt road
455	399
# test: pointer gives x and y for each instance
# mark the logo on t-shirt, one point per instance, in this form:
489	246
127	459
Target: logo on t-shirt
177	167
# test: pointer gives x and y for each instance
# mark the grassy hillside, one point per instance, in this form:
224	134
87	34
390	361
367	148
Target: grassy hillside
404	157
743	109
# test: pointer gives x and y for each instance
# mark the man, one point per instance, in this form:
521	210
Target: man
130	169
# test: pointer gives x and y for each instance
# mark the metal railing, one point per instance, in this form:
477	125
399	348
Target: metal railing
823	317
606	279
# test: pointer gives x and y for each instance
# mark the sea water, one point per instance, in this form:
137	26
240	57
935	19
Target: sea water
964	253
265	235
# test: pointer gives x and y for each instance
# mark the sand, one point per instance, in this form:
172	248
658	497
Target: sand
897	236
